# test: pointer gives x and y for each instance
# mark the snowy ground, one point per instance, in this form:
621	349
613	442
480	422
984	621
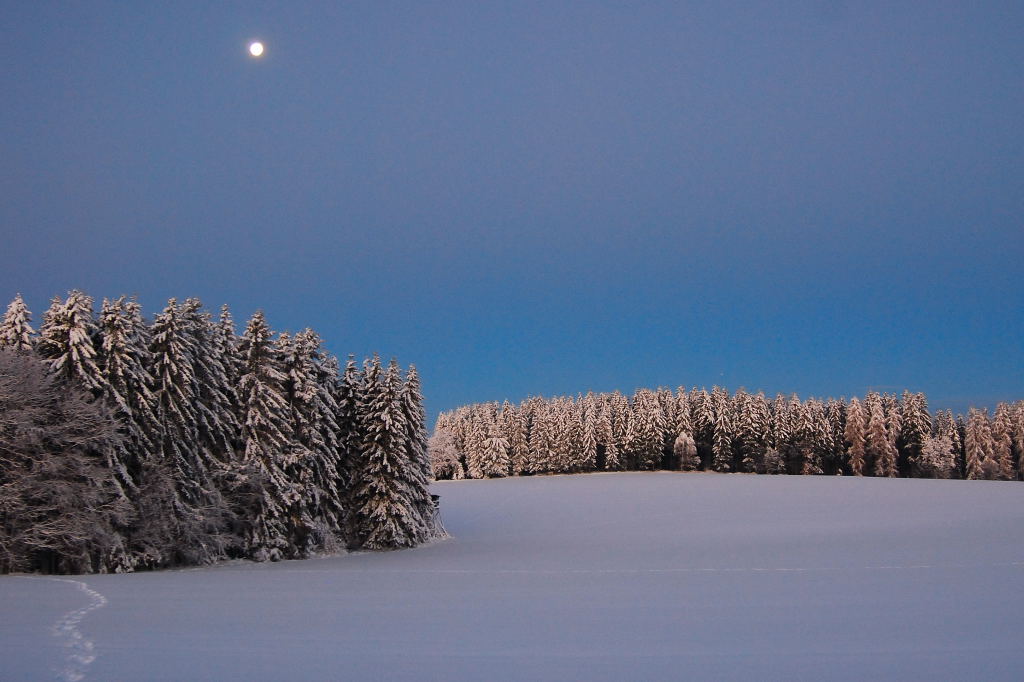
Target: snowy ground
610	576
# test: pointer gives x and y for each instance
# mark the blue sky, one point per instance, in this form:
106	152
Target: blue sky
542	197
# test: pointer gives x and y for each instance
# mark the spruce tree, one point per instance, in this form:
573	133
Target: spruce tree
384	501
644	436
67	339
1002	443
513	429
265	447
722	430
16	331
855	435
978	447
127	387
179	480
418	471
494	458
880	449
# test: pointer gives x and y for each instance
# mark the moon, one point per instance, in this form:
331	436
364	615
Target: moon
256	48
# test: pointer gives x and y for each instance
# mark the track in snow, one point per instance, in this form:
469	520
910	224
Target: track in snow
610	576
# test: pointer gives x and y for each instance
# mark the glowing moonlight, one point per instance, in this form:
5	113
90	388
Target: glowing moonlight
256	49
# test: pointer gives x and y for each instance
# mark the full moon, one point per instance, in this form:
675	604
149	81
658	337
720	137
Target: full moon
256	49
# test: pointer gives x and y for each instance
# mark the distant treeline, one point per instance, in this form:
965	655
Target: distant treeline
883	435
128	444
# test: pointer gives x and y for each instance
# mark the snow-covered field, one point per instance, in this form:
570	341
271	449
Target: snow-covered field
630	576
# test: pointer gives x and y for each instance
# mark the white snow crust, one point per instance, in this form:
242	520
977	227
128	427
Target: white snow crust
590	577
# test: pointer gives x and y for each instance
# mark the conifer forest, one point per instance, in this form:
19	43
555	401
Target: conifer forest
881	435
129	444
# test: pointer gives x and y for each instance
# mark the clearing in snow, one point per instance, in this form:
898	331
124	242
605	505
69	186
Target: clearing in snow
604	576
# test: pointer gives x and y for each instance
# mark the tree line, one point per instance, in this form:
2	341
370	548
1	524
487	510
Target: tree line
129	444
881	435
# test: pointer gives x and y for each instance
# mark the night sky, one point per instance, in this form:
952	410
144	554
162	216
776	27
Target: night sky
541	197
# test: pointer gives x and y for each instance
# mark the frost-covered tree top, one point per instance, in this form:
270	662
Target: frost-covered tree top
16	331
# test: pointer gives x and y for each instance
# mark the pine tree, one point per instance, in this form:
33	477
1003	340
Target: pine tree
309	390
384	502
494	459
475	445
916	426
1002	443
513	429
127	387
608	450
644	436
350	435
978	447
588	444
1018	435
855	435
419	470
67	341
722	428
879	446
16	331
265	447
835	418
540	437
216	398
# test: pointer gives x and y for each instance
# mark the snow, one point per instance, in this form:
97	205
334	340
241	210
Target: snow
604	576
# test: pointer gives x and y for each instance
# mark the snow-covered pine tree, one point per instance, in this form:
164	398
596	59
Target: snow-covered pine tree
588	446
722	430
834	459
783	424
916	426
1018	436
349	393
894	427
644	437
810	438
383	501
419	471
217	424
740	412
179	475
620	413
265	447
702	415
978	446
310	380
879	446
476	444
855	435
607	447
543	434
1002	443
681	413
570	437
513	429
494	459
127	388
16	331
67	340
667	404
